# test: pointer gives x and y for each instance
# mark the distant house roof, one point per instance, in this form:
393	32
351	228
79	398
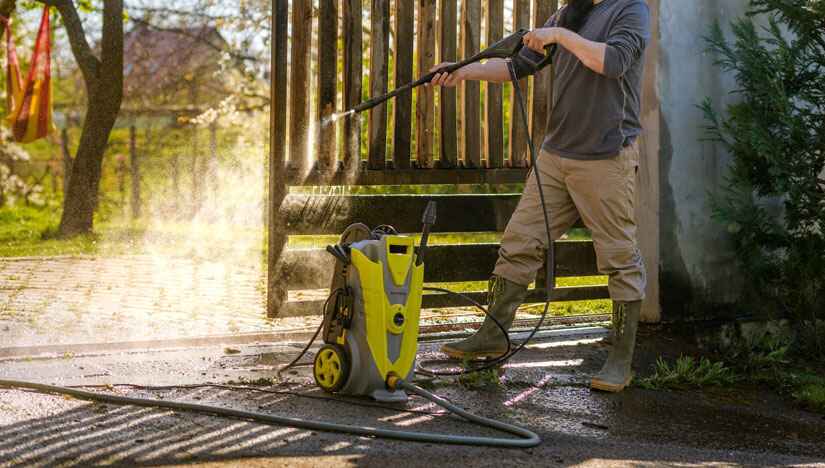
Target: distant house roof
163	60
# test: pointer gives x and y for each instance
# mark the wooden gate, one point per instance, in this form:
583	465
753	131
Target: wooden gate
328	56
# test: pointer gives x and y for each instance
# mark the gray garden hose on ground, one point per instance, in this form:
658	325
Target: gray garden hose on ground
526	438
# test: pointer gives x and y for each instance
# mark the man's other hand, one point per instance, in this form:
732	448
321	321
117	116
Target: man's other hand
540	38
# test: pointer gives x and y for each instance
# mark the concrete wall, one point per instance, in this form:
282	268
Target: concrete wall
697	272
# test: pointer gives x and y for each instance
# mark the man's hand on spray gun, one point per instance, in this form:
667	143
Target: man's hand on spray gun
494	70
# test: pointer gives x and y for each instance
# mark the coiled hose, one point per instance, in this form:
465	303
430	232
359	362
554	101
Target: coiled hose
526	438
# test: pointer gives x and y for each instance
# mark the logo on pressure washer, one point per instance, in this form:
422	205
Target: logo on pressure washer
398	319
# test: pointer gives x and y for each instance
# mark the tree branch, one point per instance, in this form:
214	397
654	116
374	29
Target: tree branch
87	61
112	39
6	7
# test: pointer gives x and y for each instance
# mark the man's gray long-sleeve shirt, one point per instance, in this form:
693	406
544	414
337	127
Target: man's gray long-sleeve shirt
593	115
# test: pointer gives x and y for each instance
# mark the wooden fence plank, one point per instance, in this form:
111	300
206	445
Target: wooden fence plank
518	133
312	268
471	24
276	289
404	41
425	103
449	137
299	95
327	83
353	69
543	80
576	293
493	102
432	301
411	177
379	69
330	214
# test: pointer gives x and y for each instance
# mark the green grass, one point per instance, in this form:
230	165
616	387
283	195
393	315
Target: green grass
23	223
688	372
810	391
481	379
28	231
769	361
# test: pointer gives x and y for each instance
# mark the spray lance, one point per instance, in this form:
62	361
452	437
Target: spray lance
503	49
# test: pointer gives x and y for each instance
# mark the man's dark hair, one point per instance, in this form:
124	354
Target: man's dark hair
575	14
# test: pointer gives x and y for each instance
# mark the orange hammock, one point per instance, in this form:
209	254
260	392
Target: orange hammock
30	102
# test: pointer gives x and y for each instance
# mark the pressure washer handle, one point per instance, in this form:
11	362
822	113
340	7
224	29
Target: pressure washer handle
337	252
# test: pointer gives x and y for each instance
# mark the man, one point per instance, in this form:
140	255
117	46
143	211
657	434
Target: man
588	164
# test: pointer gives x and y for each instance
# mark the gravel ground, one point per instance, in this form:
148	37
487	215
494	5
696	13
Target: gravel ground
544	389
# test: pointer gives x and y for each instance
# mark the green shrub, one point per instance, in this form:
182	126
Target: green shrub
774	200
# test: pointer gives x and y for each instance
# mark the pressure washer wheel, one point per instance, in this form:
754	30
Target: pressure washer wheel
331	369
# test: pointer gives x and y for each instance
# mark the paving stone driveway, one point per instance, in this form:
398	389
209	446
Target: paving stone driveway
62	300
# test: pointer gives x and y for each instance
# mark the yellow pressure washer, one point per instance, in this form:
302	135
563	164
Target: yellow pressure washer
370	326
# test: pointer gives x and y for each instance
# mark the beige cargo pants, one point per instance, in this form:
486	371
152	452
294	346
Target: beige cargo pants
601	193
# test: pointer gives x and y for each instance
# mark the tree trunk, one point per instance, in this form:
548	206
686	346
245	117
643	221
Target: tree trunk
104	87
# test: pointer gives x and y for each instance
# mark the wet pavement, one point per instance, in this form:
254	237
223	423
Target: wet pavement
82	299
101	300
544	388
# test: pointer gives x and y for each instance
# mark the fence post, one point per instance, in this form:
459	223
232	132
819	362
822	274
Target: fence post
276	289
353	68
471	21
379	67
518	133
425	103
299	84
449	137
493	102
404	40
196	149
175	169
212	175
327	83
134	169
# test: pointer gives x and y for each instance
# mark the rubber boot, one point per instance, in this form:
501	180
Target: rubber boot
504	298
616	373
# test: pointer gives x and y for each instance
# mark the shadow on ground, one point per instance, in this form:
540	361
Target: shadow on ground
544	389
